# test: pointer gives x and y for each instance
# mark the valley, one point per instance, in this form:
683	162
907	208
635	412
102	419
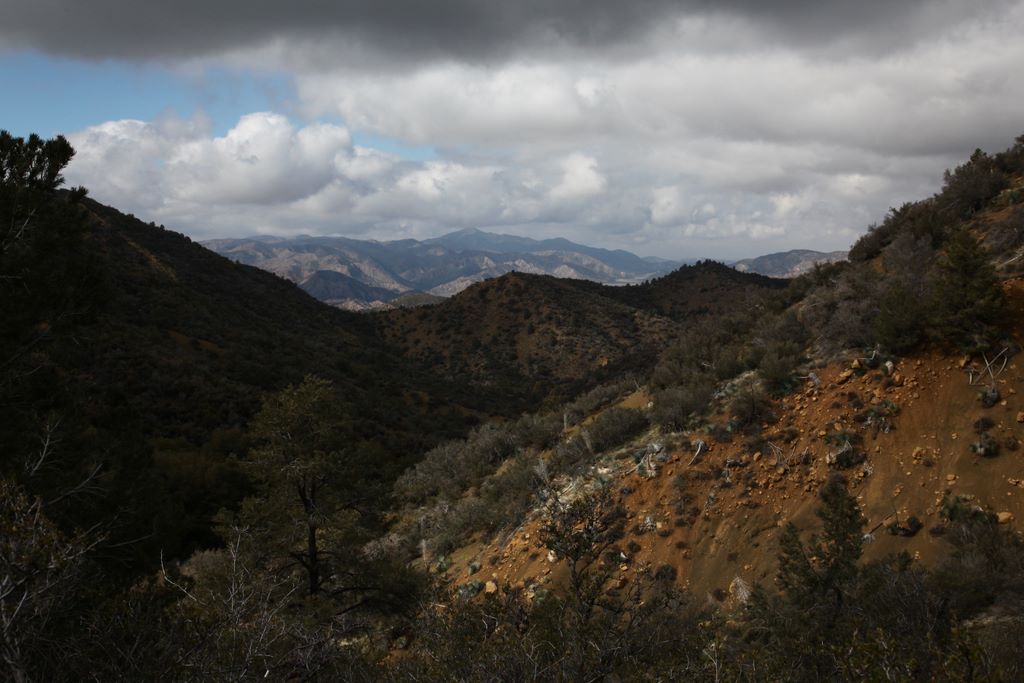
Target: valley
718	460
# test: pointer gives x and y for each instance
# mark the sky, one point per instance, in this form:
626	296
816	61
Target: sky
673	128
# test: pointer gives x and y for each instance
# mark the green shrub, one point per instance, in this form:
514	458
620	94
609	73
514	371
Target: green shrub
778	366
616	426
597	398
674	406
969	186
970	307
750	407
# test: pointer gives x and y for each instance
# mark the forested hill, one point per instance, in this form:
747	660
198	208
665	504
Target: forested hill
537	338
142	356
195	338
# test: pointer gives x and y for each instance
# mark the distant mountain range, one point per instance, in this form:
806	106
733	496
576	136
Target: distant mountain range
367	274
788	263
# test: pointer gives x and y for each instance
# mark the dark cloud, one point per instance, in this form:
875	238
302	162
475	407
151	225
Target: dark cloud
697	127
472	30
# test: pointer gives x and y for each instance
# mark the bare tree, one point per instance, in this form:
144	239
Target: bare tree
40	568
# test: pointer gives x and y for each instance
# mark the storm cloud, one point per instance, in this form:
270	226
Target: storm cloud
471	30
685	129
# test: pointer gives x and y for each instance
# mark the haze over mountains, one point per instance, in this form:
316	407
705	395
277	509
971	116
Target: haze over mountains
365	274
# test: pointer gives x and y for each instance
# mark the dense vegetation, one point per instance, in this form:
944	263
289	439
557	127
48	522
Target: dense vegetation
131	362
233	613
206	474
544	340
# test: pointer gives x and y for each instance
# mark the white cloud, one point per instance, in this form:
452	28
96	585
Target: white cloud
580	178
122	161
709	134
262	160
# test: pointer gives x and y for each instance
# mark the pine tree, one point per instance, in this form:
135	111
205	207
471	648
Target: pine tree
970	304
796	575
822	569
968	187
842	531
314	508
306	508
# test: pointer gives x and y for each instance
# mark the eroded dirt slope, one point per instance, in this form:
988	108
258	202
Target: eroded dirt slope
717	517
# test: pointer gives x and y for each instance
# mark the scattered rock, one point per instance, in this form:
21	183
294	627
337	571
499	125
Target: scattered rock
490	587
471	589
740	590
990	397
1004	517
473	568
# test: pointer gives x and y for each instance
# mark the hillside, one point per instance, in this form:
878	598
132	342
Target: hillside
717	516
342	291
145	355
788	264
181	306
540	336
706	287
442	266
809	478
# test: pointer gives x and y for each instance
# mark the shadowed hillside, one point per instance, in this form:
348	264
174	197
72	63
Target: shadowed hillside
139	356
540	337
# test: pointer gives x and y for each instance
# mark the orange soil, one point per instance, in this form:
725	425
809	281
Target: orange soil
924	457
